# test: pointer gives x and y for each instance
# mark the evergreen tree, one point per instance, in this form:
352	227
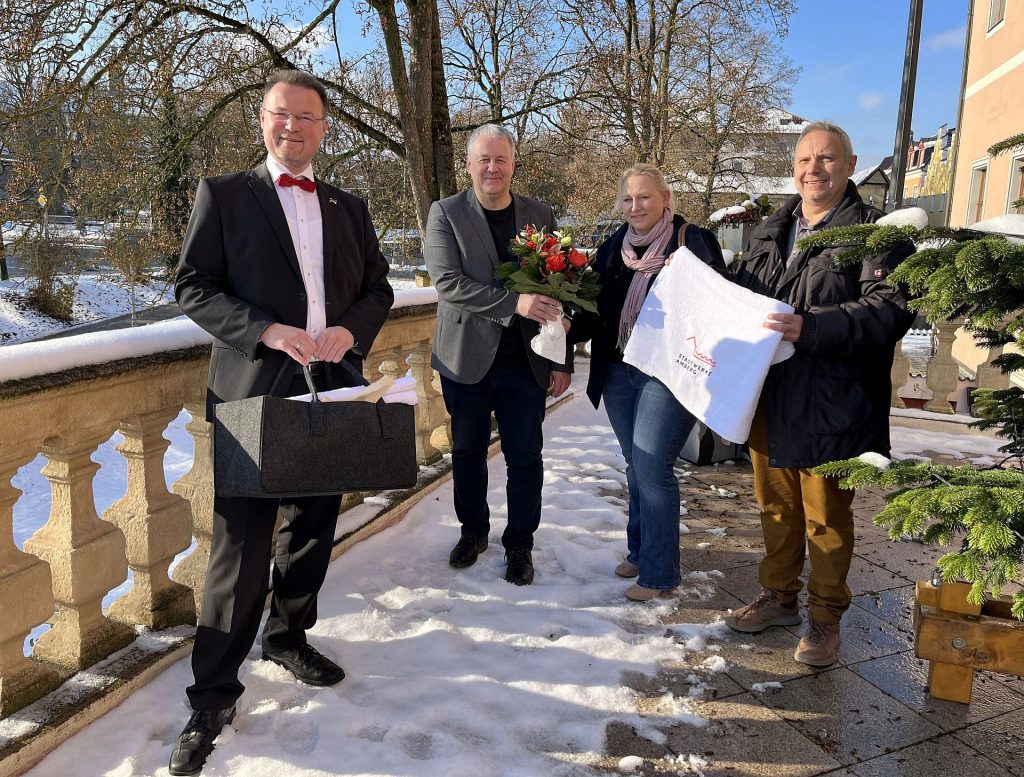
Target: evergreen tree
979	276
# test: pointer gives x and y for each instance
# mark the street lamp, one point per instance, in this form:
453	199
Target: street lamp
906	111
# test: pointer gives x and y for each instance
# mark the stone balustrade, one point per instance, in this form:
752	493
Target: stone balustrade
942	387
77	557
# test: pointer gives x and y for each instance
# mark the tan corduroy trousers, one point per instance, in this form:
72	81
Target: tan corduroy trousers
800	509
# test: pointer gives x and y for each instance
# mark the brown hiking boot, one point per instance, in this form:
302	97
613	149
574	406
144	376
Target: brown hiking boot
820	645
762	613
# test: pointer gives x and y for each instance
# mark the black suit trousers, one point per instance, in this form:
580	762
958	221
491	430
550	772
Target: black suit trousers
237	583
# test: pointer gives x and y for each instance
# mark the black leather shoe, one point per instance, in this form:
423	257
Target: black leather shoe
520	566
307	664
466	550
195	742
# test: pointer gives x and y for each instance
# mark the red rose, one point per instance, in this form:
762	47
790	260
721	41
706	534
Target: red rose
531	245
577	258
551	244
556	263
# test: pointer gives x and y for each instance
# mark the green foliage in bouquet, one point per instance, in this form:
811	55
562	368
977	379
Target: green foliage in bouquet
979	276
549	265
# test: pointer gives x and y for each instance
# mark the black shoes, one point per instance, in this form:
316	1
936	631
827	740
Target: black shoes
307	664
520	566
195	743
466	550
520	560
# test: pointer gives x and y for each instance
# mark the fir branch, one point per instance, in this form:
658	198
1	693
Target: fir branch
1009	144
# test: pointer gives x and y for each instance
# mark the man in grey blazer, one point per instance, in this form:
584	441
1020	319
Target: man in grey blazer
482	349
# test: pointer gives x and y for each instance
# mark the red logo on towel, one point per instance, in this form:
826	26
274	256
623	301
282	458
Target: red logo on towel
700	356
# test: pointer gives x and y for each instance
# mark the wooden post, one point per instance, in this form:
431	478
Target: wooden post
950	681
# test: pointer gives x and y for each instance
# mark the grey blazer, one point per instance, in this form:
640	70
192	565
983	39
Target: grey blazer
472	307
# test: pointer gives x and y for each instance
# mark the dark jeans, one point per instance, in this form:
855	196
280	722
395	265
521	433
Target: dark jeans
512	393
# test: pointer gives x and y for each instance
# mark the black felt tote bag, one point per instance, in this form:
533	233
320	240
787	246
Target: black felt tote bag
270	446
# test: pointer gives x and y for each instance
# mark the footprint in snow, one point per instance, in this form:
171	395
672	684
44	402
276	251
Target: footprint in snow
298	737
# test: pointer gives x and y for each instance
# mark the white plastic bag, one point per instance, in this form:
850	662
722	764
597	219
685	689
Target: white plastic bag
550	341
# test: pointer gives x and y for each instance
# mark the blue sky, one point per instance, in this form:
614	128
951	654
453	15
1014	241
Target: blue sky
851	55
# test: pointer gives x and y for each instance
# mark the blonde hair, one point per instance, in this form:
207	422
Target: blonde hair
648	171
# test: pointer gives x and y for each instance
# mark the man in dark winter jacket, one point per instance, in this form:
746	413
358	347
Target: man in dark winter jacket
829	401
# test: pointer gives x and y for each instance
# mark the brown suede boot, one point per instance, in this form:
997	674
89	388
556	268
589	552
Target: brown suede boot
820	645
762	613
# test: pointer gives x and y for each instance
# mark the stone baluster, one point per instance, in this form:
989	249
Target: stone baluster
898	374
430	412
441	437
992	377
943	369
196	486
157	525
86	556
26	600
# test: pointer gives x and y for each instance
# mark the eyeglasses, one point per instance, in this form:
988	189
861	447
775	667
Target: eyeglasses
304	119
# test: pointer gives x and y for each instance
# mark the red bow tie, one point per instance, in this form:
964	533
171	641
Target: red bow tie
303	183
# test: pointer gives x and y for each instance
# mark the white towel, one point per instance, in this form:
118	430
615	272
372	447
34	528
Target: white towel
386	388
405	397
702	336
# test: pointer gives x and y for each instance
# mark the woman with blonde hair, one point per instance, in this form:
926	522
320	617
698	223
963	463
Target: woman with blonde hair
650	425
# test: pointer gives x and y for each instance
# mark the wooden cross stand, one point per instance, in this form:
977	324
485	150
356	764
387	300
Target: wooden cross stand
958	638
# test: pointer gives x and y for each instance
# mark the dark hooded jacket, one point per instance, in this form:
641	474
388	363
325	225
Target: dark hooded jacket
830	400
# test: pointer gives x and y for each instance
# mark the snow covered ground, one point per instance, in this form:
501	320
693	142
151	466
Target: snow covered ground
97	296
450	672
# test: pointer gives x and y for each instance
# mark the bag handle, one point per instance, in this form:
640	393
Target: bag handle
309	383
289	362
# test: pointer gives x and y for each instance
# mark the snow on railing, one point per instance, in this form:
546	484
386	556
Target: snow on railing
24	360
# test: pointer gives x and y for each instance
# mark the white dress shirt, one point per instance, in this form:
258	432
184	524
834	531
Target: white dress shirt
305	223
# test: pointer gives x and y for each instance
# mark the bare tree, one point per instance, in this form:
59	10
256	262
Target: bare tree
511	61
728	140
640	52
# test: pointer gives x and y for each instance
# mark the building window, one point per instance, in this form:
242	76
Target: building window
976	202
996	12
1016	184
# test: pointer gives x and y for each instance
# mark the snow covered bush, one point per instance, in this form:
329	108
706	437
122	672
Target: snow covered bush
52	266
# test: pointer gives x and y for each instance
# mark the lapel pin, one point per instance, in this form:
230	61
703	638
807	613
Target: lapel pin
332	201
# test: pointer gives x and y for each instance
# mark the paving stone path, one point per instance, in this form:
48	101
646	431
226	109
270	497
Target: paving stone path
867	716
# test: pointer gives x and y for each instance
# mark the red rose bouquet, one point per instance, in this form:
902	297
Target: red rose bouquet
550	265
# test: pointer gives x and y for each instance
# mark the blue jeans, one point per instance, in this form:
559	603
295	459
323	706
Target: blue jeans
651	427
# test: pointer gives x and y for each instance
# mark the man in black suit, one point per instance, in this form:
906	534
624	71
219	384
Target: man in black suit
284	271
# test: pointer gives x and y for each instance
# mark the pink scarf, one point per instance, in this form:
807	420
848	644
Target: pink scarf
653	260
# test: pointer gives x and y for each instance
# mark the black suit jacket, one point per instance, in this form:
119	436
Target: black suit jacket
239	274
